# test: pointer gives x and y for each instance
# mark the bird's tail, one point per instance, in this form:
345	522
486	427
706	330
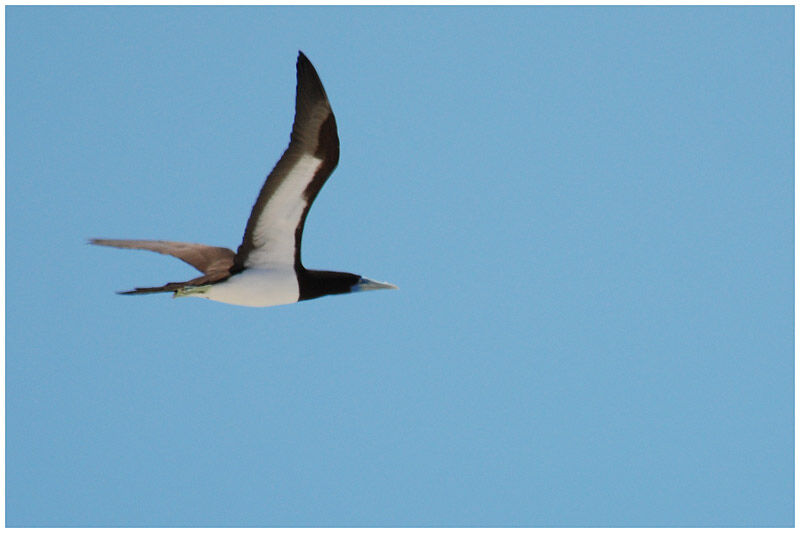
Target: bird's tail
169	287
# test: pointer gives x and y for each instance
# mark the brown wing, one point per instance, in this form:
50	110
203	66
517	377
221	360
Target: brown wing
213	261
275	227
206	259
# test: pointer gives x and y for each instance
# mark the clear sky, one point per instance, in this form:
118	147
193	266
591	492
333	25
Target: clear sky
589	213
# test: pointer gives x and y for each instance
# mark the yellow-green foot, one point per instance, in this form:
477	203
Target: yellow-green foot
191	291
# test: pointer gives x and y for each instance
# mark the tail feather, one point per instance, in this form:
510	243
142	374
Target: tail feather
178	287
169	287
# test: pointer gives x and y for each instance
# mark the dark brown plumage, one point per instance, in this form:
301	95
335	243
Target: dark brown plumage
213	261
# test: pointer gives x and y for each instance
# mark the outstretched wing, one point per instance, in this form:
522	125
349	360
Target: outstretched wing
275	228
210	260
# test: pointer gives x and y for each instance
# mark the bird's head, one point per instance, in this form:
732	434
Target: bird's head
316	283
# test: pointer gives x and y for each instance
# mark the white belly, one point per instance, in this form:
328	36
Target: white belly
256	288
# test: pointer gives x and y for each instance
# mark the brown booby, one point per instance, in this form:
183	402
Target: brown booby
266	269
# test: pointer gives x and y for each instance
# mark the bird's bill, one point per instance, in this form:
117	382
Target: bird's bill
365	284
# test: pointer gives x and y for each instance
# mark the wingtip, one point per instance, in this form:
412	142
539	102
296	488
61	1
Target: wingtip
99	242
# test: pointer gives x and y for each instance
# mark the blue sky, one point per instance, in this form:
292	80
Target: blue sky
589	213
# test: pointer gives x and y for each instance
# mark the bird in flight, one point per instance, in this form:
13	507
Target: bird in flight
266	270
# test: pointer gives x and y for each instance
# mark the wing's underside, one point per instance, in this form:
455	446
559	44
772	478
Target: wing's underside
274	230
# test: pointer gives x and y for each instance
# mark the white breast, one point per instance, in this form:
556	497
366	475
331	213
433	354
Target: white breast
256	288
